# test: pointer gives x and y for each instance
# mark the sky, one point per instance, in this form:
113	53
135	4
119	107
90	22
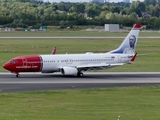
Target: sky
79	0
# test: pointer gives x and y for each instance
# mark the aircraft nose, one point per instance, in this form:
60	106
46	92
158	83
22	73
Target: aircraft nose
7	66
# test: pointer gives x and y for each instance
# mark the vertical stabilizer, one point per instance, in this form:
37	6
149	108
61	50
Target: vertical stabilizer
128	46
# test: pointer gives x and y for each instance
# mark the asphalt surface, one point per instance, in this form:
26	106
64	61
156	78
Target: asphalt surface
56	81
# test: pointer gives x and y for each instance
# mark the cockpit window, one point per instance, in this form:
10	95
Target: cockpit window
13	61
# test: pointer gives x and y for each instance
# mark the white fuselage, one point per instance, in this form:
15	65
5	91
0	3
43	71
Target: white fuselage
53	63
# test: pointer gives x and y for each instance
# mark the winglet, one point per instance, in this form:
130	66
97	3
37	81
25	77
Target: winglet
54	51
133	58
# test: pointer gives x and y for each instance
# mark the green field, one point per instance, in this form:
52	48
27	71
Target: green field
131	103
10	48
73	33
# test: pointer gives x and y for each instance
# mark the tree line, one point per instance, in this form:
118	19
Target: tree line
36	13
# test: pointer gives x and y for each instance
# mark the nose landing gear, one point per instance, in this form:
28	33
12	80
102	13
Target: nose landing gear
17	74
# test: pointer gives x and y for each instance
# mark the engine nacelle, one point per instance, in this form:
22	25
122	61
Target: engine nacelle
69	71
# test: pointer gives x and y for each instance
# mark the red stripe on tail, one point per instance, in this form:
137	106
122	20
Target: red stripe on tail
133	58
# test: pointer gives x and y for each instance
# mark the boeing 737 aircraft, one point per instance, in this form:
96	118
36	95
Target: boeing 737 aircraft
75	64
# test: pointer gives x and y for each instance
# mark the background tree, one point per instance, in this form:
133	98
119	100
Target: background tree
142	7
150	2
79	8
116	9
158	2
156	11
136	7
36	12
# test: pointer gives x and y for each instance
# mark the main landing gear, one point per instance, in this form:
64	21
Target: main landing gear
80	74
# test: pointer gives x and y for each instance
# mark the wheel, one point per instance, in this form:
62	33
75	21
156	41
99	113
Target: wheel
17	75
80	74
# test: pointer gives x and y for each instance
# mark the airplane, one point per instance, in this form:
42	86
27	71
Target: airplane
75	64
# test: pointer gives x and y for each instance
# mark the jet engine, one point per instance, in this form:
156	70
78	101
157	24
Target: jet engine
69	71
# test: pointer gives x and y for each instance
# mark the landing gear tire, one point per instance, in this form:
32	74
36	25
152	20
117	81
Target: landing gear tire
80	74
17	75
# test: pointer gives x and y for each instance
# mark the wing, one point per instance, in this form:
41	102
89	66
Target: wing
97	66
54	51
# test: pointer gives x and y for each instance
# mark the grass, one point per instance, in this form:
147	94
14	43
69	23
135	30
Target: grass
10	48
73	33
131	103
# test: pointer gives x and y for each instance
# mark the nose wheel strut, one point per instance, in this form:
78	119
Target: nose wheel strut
17	74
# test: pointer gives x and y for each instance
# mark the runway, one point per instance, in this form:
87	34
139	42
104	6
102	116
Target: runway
56	81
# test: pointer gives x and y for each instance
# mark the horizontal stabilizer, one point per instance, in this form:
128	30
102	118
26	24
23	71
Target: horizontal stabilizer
146	54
